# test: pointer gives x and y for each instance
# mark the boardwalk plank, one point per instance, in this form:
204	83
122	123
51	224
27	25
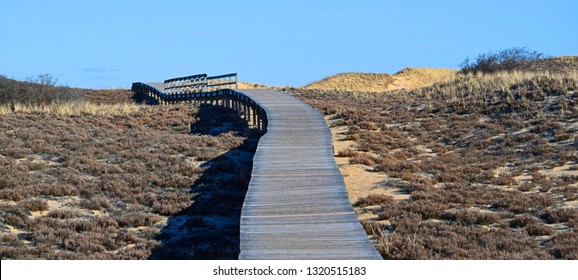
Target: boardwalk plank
297	205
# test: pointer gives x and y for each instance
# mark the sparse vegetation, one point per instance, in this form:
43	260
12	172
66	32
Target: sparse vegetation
374	199
101	178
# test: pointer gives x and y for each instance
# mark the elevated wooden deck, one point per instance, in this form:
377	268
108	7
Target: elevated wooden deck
296	206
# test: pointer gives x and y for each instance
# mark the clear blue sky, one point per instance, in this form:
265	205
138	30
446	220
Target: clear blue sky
105	43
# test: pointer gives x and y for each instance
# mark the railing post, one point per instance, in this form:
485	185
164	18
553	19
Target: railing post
254	115
260	119
246	110
237	104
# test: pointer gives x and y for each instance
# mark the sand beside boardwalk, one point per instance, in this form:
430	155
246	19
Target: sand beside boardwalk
360	180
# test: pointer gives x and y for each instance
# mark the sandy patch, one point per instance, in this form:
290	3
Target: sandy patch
523	178
247	85
15	231
339	133
36	214
8	202
563	170
360	180
571	204
98	213
410	78
54	204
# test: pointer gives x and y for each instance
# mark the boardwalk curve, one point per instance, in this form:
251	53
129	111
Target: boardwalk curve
296	206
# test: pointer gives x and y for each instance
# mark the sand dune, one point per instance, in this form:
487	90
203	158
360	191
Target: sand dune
246	85
407	78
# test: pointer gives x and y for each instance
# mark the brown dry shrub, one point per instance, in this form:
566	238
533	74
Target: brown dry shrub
138	219
171	203
354	129
105	224
368	125
560	215
13	215
545	188
134	167
539	178
564	245
504	179
8	238
525	187
427	209
570	193
389	211
61	214
400	247
370	227
85	243
538	229
397	166
362	158
80	225
439	149
347	153
415	186
448	177
58	190
17	194
125	237
518	202
34	204
543	201
435	240
353	137
97	202
471	217
523	221
374	199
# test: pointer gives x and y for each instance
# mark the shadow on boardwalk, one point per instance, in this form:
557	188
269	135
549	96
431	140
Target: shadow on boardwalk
209	227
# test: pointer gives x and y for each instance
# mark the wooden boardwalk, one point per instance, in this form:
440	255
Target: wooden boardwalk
297	205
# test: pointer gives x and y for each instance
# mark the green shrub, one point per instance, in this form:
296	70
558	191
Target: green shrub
504	60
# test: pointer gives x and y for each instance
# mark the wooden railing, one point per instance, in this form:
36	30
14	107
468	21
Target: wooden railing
201	89
200	83
194	83
223	81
